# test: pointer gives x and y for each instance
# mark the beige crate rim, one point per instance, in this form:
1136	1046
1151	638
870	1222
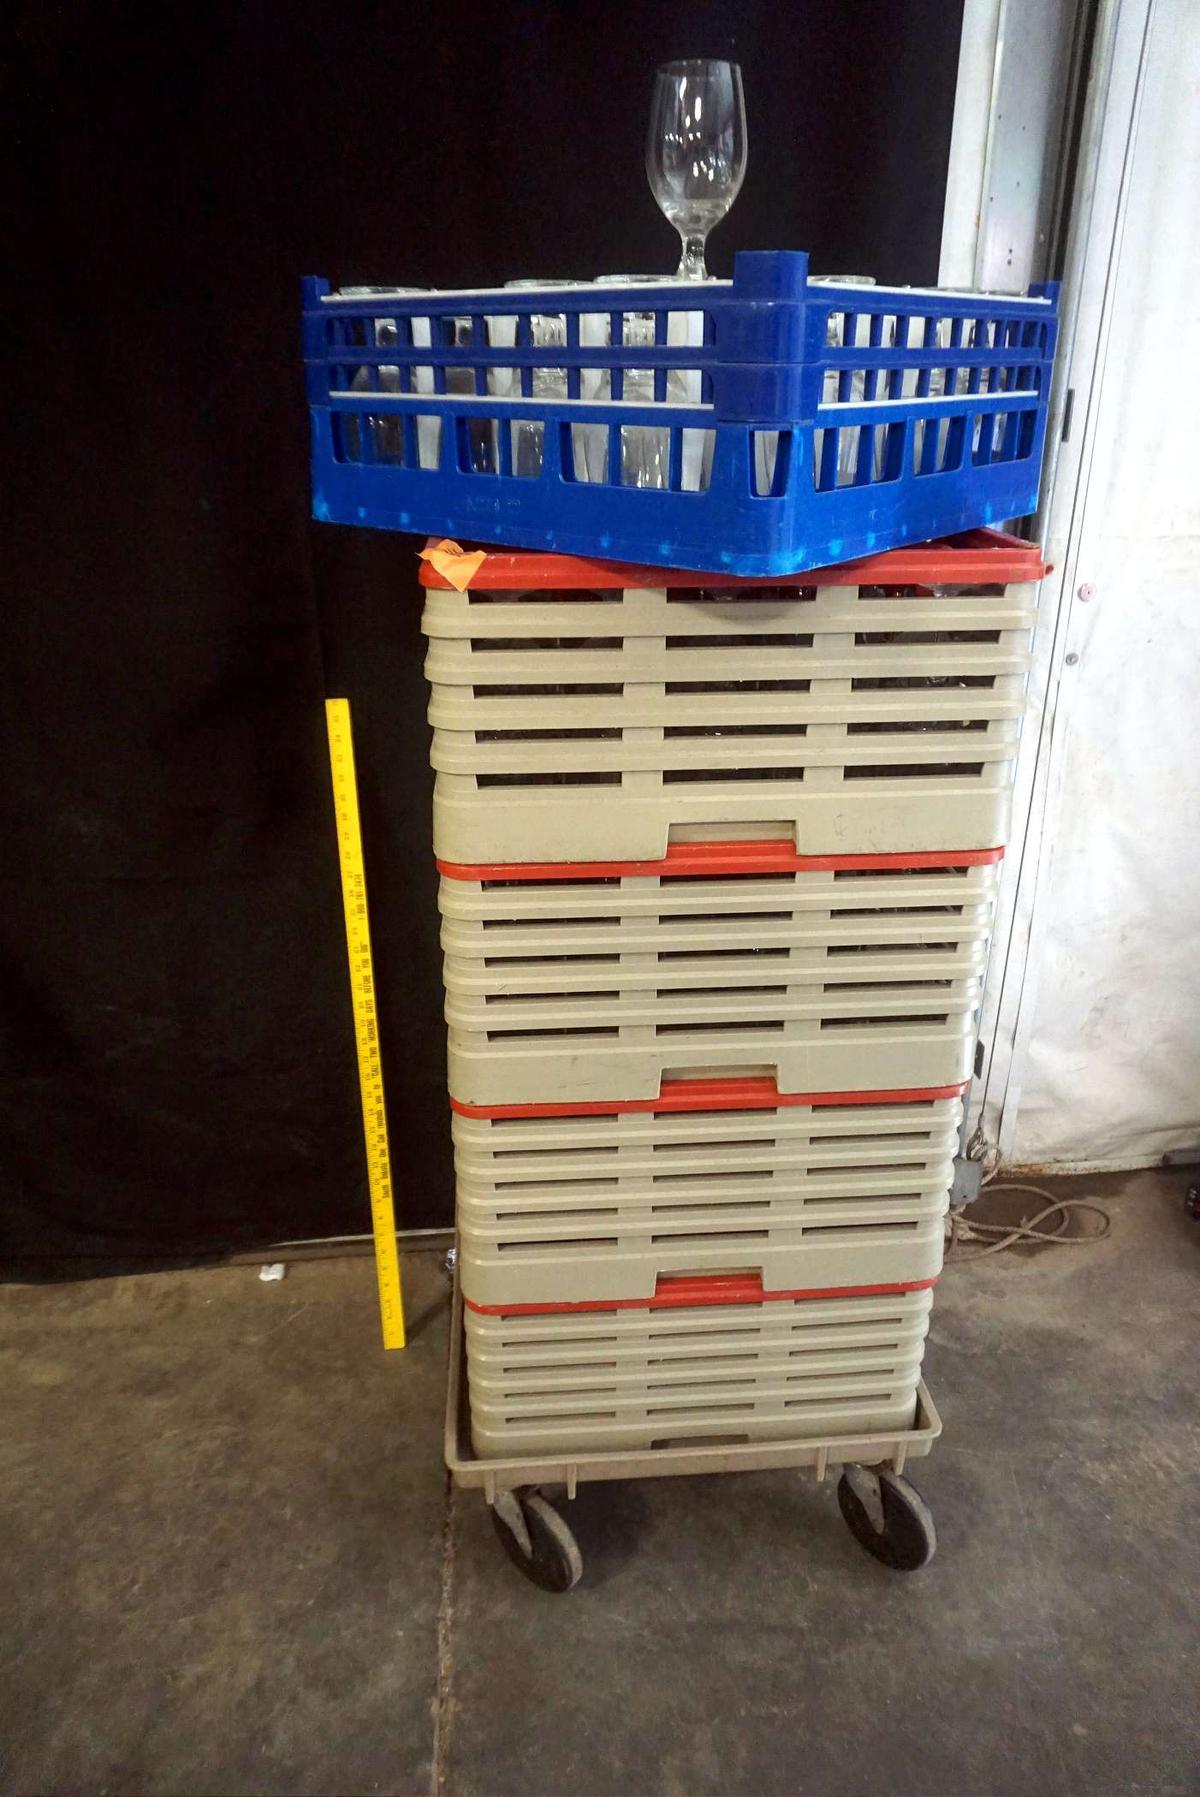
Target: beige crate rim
461	753
630	1269
558	1211
662	611
970	889
677	1390
494	1355
534	1157
613	1006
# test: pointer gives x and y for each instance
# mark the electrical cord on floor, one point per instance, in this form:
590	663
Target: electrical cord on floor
999	1236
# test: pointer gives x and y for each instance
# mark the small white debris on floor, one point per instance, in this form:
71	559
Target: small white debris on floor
274	1270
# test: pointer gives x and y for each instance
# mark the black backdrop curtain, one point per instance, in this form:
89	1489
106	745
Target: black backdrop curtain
177	1072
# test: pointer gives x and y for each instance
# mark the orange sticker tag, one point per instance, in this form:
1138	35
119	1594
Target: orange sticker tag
453	563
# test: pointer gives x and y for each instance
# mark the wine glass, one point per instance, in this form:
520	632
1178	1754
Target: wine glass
696	151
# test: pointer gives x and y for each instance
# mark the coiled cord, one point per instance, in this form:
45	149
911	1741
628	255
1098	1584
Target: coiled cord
999	1236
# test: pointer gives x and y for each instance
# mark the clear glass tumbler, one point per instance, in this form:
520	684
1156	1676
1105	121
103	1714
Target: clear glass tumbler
646	449
548	331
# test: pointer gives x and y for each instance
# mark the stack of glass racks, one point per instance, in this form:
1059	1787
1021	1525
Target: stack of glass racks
719	865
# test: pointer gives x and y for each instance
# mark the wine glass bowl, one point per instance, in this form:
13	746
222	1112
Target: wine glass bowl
696	150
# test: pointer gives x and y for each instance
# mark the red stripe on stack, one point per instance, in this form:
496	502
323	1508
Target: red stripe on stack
717	1288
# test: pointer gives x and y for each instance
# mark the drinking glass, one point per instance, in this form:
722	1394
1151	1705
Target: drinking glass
461	382
645	449
548	331
696	151
386	433
849	439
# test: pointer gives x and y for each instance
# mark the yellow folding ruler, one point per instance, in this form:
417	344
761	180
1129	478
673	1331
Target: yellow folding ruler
366	1021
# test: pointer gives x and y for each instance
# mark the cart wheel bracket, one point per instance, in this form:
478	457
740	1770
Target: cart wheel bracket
507	1507
864	1483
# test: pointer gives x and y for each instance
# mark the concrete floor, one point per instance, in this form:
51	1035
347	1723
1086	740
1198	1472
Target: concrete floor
233	1565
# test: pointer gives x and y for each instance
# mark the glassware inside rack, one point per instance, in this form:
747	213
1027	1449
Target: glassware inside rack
461	381
547	330
644	449
386	431
849	387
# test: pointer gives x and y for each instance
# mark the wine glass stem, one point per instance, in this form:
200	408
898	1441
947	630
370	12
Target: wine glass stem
691	262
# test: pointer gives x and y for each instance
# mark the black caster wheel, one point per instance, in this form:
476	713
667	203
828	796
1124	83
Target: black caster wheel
887	1516
537	1540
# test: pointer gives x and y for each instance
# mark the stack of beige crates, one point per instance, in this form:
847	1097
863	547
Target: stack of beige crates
719	865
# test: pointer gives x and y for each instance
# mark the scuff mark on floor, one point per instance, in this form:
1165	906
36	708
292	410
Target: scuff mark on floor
443	1700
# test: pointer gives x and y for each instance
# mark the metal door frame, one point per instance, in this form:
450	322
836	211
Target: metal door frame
1038	180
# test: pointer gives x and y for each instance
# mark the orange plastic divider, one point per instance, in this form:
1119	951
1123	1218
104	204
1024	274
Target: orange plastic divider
707	858
753	1094
718	1288
974	555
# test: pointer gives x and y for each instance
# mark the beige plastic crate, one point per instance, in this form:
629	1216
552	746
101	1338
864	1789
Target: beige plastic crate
512	1472
601	725
646	1378
599	988
575	1209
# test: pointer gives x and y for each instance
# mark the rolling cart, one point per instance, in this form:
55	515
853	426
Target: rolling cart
883	1511
719	849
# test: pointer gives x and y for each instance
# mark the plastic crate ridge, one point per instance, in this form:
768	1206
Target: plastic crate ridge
611	723
643	1378
832	979
582	1208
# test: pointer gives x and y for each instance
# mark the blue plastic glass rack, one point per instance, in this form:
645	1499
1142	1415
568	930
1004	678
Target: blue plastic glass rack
790	422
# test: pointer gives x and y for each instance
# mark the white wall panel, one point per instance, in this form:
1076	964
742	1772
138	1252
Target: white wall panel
1106	1058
